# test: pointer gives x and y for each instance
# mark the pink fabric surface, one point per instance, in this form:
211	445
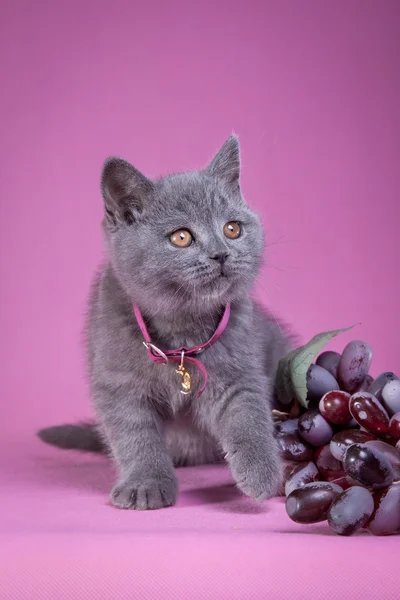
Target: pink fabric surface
60	539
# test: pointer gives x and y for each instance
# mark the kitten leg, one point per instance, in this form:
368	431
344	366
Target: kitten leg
134	433
241	418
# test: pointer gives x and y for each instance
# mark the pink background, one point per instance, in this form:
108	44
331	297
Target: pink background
312	89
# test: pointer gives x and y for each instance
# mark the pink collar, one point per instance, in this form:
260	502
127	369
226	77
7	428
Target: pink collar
183	354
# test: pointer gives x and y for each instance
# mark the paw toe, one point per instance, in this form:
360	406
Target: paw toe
149	495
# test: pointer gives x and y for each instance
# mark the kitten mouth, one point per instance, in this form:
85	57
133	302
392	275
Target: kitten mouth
222	273
219	283
220	276
216	279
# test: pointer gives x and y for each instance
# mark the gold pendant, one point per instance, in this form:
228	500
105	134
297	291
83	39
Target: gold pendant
186	380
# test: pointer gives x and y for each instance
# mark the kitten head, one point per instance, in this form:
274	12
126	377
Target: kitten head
183	242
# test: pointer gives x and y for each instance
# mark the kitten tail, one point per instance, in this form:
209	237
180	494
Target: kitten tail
83	436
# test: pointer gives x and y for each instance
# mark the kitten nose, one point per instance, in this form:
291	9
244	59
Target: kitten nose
221	257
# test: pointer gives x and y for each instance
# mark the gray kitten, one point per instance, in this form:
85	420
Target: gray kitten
144	421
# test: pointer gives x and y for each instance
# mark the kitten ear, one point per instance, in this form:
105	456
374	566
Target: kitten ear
125	191
226	163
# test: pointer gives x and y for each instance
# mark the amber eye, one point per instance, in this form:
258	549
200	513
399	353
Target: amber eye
182	238
232	230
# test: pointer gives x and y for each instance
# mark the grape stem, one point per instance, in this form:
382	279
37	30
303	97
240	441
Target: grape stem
278	415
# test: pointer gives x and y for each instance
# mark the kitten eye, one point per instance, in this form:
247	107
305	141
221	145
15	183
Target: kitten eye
181	238
232	230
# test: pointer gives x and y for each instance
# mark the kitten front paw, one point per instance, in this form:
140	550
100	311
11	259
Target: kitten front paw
257	475
150	494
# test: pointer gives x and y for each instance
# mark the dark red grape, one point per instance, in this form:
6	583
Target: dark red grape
369	413
368	466
329	467
391	397
345	482
351	510
380	382
394	426
292	447
385	519
289	426
343	439
389	439
329	360
315	429
354	365
301	475
334	406
319	381
288	467
391	454
310	504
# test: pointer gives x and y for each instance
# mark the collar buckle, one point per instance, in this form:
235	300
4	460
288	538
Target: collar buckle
153	349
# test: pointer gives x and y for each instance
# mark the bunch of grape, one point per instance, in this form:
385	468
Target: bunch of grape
342	456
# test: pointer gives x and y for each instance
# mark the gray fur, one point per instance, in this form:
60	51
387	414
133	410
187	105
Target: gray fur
84	436
143	419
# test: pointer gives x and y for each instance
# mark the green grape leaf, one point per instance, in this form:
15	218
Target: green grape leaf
291	376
